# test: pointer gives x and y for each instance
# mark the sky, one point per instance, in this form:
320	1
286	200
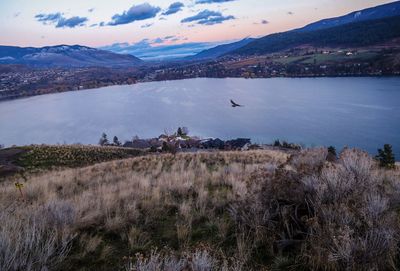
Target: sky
159	28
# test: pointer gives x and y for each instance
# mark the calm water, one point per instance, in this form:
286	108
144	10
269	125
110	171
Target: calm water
359	112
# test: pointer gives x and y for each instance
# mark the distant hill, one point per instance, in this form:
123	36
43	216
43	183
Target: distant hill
374	13
357	34
65	56
285	40
220	50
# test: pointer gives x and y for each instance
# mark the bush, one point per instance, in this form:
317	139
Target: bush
37	238
199	260
330	216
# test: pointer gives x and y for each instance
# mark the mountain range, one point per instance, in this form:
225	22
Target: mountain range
65	56
360	28
357	29
359	34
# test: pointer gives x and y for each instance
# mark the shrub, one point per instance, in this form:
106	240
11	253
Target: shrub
199	260
331	216
38	238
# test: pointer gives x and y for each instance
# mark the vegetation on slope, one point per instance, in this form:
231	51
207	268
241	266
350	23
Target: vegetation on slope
256	210
41	157
350	35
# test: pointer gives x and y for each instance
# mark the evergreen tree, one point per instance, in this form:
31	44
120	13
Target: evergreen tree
386	157
179	132
332	150
116	141
103	140
332	155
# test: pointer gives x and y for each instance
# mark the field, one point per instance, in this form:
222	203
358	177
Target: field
42	157
254	210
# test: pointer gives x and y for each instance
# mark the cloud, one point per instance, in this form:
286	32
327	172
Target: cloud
48	18
212	1
158	41
135	13
71	22
151	50
147	25
173	8
60	21
208	17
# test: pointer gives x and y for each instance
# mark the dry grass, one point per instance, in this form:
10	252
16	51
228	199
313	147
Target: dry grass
205	211
130	196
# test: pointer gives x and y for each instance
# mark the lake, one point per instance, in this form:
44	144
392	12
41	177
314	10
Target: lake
357	112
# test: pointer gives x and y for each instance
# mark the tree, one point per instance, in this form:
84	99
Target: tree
332	150
386	157
116	141
179	132
103	140
332	155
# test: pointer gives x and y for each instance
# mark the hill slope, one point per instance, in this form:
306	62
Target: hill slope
369	14
374	13
64	56
203	210
220	50
350	35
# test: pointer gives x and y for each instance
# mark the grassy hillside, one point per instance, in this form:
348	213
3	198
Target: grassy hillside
256	210
350	35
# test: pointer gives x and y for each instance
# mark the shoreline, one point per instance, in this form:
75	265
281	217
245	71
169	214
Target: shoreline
190	78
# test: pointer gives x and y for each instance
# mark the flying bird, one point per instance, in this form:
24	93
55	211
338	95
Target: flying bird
235	104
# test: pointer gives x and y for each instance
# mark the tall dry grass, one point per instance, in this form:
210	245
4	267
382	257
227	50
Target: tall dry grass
119	197
256	210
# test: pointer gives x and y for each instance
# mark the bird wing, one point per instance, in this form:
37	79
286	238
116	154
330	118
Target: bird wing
235	104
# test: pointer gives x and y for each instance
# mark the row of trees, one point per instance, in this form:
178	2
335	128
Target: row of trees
104	141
